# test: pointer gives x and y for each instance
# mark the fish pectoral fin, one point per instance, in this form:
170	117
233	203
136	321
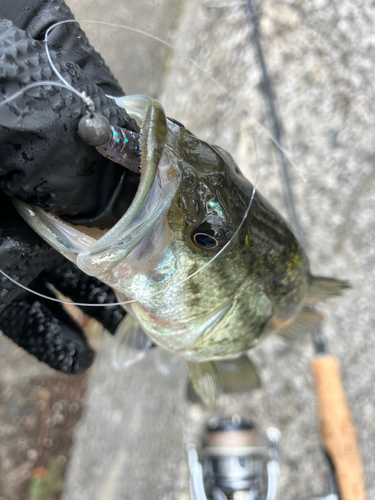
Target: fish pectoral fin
323	288
204	378
130	343
305	322
236	375
225	376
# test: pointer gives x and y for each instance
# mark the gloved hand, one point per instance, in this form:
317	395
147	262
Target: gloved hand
44	162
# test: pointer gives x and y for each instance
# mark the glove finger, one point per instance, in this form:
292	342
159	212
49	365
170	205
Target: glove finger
78	286
36	16
47	332
24	255
44	162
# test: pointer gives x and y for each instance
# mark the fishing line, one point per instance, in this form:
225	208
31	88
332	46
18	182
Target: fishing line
45	83
87	100
290	201
111	304
64	84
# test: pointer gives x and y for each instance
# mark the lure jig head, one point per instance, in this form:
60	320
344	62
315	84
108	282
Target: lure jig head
115	143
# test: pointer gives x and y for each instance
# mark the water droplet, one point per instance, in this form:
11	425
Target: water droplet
47	443
31	454
73	408
57	407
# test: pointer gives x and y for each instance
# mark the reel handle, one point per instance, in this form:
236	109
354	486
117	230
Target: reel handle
337	428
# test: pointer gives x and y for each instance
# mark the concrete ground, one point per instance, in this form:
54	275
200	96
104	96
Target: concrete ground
130	442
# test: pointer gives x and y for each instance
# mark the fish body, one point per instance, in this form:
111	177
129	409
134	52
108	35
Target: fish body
255	285
192	205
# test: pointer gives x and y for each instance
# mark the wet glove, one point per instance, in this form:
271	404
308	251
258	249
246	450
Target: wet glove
44	162
38	325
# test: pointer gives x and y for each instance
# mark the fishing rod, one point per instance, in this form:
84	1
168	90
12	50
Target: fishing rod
336	424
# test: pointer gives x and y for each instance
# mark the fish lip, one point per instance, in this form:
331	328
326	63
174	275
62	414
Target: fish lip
145	190
143	124
130	230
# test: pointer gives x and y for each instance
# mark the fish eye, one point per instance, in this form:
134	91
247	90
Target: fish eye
204	240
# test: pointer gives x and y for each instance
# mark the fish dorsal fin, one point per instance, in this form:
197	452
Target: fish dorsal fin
322	288
203	378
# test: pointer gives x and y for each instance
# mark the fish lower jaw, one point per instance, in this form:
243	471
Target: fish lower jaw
184	341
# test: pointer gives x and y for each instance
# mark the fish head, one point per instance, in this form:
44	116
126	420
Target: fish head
181	255
188	270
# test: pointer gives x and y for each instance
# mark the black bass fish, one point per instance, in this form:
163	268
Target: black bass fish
190	205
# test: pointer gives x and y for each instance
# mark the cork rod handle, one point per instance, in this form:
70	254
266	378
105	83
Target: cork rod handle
337	428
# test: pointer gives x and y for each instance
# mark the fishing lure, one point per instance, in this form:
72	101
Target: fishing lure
118	144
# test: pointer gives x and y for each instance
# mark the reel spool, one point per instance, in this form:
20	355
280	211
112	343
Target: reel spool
239	462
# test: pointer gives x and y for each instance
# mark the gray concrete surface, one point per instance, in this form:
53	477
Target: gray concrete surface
130	442
136	60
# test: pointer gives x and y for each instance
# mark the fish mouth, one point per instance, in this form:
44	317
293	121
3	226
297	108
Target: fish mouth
145	208
97	255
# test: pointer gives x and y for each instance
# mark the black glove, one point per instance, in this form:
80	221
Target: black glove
44	162
38	325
